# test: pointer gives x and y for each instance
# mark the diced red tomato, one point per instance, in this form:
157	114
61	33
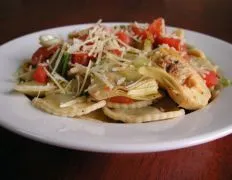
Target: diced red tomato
150	36
211	79
124	37
172	42
157	27
136	29
139	31
116	52
81	58
40	75
121	99
42	54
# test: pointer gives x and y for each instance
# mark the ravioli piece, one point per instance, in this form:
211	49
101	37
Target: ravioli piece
51	104
97	115
140	115
134	105
33	89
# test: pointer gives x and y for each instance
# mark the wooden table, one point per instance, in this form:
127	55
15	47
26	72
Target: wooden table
21	158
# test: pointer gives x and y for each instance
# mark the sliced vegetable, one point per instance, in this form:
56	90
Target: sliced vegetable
211	79
140	61
147	45
42	54
130	55
124	37
121	99
40	75
143	89
130	74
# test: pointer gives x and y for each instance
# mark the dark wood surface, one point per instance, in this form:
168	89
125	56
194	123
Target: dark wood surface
21	158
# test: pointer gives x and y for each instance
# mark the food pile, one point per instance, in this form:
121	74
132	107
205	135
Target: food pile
132	73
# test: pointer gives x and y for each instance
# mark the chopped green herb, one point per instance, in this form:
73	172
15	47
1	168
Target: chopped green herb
63	66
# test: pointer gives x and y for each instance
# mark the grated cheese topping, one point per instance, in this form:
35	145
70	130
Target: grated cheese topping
54	80
86	76
59	58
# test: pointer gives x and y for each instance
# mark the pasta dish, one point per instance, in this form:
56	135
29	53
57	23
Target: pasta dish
130	73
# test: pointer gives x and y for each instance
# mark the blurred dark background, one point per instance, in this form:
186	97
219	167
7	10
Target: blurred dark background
19	17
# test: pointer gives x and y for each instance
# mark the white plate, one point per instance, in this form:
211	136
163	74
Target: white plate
17	114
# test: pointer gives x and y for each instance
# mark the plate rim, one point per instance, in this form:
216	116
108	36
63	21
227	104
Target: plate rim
148	148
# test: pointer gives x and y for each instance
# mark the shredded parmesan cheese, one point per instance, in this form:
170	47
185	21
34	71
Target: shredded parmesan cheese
128	47
53	57
112	56
59	77
72	102
86	76
54	80
59	58
104	79
67	86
